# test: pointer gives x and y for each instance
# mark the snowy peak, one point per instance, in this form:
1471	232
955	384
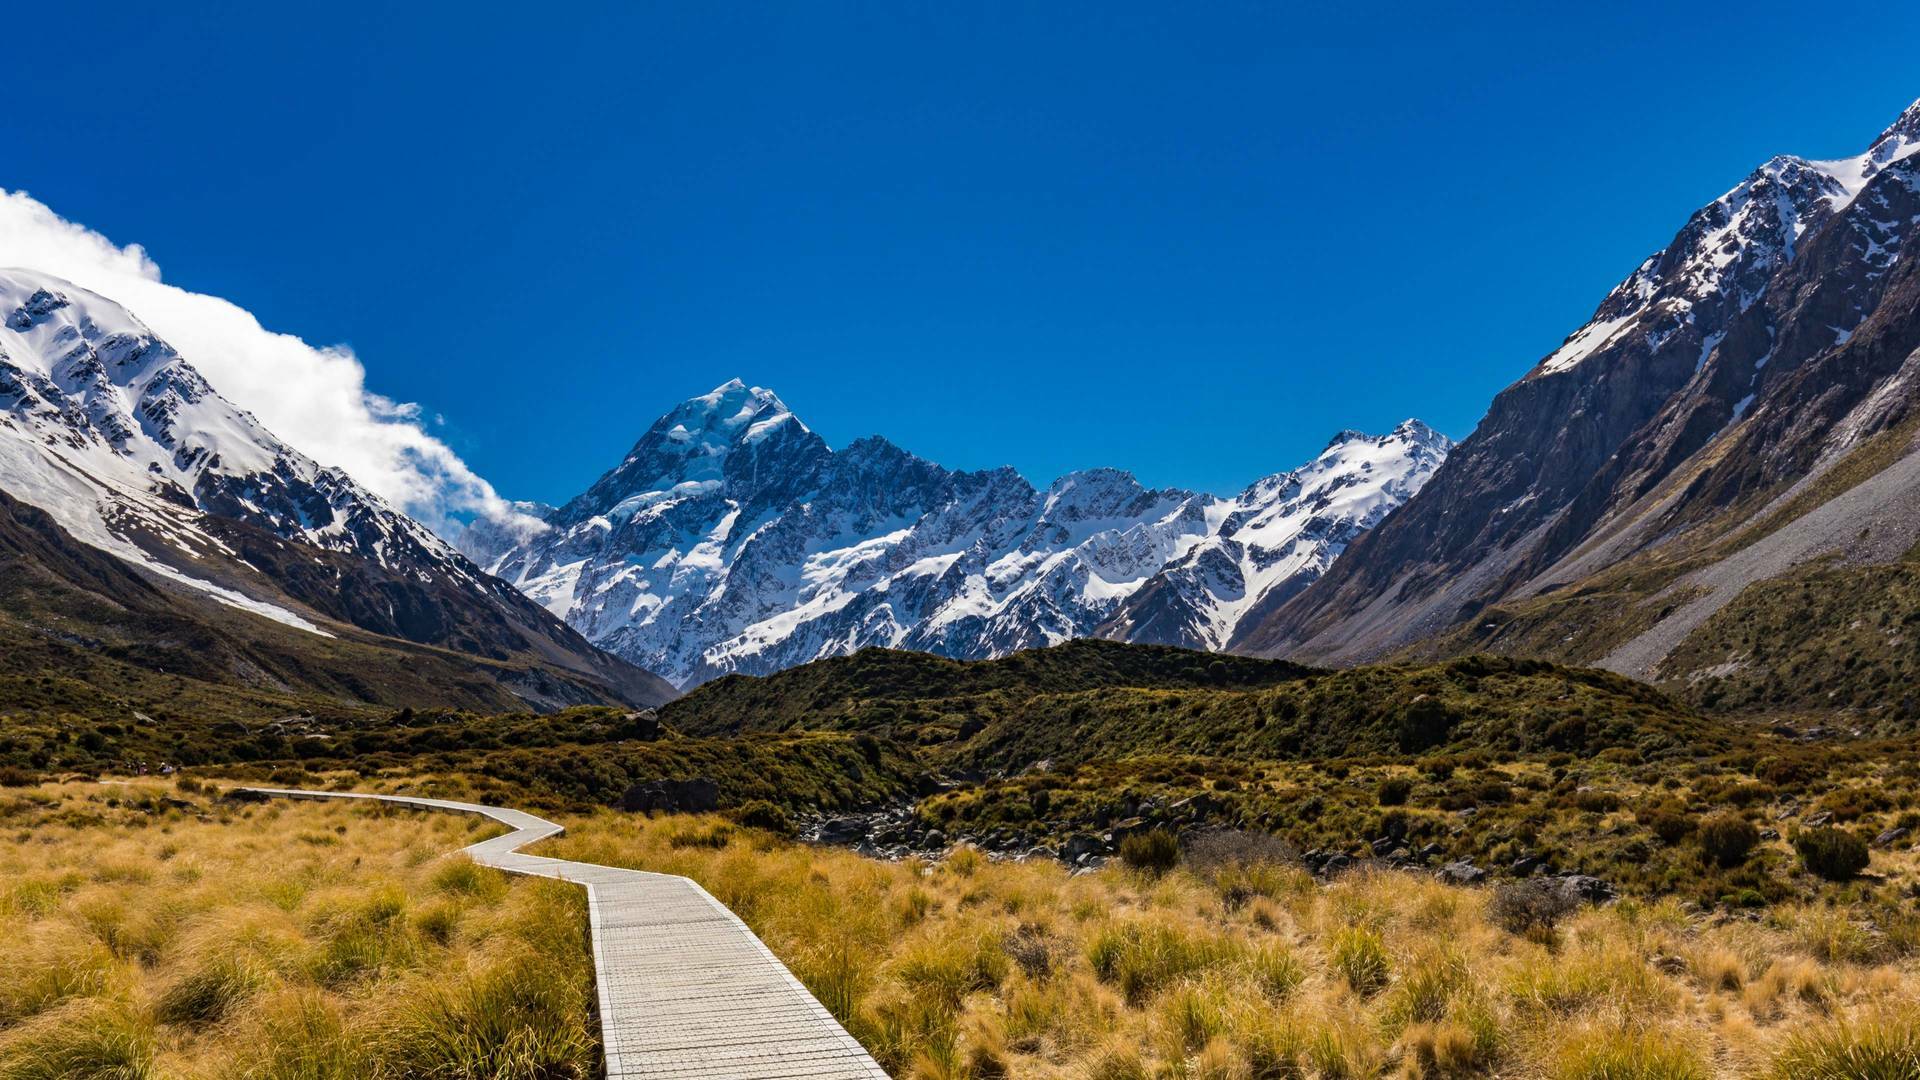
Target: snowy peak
736	439
1721	262
1899	138
733	539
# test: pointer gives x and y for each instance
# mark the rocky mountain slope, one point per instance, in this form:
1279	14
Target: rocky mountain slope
126	449
732	538
1737	407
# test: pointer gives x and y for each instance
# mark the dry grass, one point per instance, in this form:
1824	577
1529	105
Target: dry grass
157	933
296	940
967	967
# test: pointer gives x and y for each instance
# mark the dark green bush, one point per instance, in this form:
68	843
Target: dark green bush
1156	851
1668	825
761	814
1726	839
1393	791
1834	854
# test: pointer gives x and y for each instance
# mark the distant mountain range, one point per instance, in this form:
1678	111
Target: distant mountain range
124	449
1712	483
732	538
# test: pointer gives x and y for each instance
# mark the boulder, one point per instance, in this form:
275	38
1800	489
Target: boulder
643	725
696	795
1461	872
1078	845
844	830
1588	890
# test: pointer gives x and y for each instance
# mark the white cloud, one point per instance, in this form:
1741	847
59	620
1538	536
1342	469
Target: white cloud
314	398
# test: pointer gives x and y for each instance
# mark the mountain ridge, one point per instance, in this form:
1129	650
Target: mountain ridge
1772	340
731	537
111	432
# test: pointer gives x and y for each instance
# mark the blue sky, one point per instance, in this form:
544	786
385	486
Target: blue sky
1188	240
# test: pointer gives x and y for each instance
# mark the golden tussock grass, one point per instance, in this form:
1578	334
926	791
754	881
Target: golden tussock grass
974	968
283	941
155	933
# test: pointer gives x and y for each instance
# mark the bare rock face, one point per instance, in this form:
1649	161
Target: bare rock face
733	539
1771	337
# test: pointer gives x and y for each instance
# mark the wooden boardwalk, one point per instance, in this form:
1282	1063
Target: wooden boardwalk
686	990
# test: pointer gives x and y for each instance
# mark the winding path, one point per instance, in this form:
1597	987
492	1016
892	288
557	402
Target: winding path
686	990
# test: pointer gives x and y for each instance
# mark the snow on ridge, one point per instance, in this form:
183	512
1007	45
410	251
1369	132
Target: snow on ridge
786	551
110	429
1740	236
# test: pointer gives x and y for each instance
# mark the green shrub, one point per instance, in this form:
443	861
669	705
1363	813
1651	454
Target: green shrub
1155	851
1668	825
1394	790
1727	838
1834	854
761	814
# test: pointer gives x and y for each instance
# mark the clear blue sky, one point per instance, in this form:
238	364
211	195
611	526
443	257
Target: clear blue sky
1192	240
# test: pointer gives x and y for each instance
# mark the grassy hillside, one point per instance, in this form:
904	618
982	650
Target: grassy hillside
83	633
1093	700
1822	638
887	688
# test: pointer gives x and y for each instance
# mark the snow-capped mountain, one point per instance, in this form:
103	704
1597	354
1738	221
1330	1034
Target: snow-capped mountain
732	538
113	433
1278	536
1672	450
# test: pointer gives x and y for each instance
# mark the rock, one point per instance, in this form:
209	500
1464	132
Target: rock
1525	865
1891	837
1383	845
934	840
1590	890
672	796
1819	819
643	725
1769	834
1077	845
845	830
1432	851
1337	864
1461	872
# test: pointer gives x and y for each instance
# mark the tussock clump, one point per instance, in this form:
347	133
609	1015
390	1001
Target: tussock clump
1360	956
1880	1047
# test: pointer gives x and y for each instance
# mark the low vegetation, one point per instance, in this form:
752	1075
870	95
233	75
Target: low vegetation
1235	963
1832	639
160	933
1088	701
